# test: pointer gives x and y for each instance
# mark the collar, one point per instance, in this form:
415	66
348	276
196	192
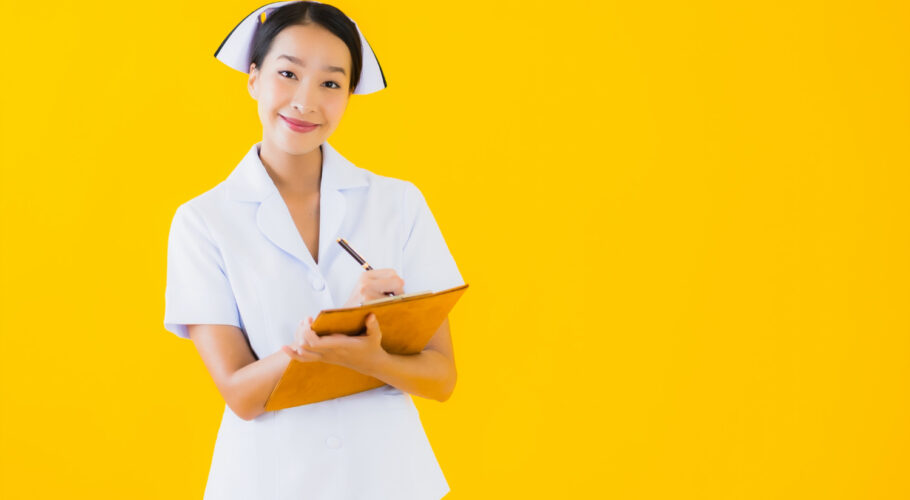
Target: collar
249	181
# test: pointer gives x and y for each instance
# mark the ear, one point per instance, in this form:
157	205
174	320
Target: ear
252	83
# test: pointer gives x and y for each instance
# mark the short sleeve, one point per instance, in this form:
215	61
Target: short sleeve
197	290
427	263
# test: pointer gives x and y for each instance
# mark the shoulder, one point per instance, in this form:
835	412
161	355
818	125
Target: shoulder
409	201
353	175
199	210
400	188
386	188
240	183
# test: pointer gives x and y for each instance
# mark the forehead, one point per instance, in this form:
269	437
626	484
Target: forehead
311	42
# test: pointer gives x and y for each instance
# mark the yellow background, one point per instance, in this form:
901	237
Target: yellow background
684	225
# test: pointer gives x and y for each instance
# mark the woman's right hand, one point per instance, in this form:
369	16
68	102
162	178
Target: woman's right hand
373	284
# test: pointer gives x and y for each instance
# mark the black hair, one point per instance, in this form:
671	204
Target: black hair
303	13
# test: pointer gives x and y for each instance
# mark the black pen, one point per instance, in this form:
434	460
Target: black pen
359	259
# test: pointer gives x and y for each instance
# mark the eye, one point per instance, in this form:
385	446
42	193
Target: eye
288	72
336	86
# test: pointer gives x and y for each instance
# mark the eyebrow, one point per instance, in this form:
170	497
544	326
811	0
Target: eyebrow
298	62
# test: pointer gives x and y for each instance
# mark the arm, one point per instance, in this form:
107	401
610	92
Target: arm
429	373
243	381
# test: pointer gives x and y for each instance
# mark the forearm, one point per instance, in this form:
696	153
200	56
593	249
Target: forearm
252	384
428	374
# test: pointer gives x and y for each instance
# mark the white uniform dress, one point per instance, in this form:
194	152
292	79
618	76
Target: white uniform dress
235	257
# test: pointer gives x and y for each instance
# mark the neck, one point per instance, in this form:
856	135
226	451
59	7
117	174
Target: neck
293	174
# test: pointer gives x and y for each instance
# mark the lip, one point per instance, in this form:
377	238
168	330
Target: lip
298	125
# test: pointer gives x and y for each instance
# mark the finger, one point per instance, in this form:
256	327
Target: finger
392	284
298	333
303	355
335	340
293	352
310	355
372	275
310	339
302	328
399	285
378	287
391	274
372	324
297	344
383	273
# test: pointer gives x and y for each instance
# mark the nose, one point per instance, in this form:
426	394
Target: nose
306	97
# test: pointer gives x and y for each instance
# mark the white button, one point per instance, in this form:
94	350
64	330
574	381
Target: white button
318	283
333	442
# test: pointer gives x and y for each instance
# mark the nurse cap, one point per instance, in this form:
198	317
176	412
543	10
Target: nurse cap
237	48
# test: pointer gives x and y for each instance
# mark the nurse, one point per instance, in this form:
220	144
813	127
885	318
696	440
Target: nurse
252	260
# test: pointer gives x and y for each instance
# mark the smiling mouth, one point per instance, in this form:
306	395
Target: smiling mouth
298	123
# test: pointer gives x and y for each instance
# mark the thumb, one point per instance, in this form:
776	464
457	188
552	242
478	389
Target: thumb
372	324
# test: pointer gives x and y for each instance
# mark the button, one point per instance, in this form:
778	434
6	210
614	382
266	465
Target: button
333	442
318	284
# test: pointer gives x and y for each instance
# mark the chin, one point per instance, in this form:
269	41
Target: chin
296	145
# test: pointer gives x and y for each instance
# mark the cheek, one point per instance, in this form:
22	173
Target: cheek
266	112
271	94
269	107
336	107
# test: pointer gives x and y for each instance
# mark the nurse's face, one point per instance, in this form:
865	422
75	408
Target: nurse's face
305	77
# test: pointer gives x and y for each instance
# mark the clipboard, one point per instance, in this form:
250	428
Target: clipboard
408	322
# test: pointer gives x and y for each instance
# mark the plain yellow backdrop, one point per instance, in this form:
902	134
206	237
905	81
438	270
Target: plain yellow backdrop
685	226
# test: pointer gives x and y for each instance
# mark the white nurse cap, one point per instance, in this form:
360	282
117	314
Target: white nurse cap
237	48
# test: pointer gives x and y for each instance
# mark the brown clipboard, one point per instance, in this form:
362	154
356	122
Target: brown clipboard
407	324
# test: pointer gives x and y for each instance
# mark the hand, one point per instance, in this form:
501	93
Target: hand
298	350
359	352
373	284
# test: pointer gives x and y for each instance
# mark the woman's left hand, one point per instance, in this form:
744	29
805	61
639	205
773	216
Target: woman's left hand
358	352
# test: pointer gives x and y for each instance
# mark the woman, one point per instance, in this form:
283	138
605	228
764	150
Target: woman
252	260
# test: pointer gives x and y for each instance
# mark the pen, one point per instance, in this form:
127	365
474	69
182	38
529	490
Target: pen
359	259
